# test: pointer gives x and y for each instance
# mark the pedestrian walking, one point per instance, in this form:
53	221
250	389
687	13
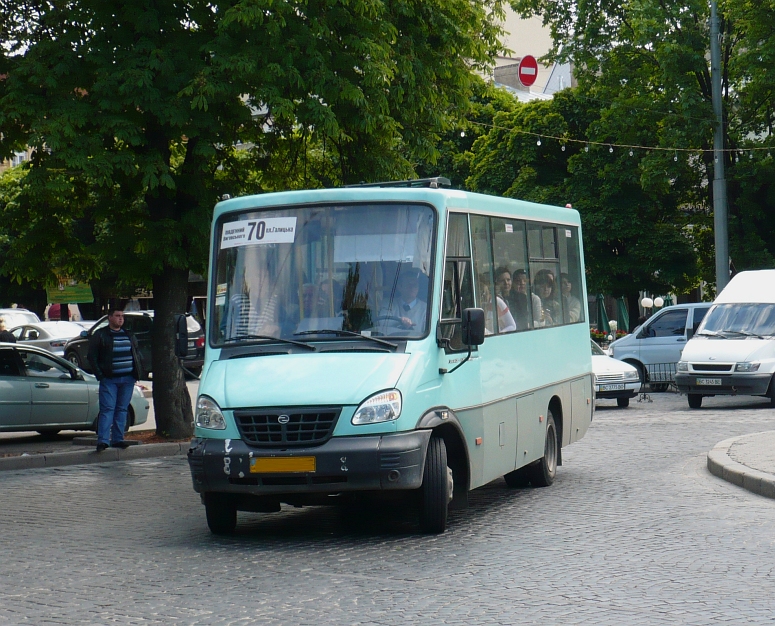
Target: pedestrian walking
4	334
115	361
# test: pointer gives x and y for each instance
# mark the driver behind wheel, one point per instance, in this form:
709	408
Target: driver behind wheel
406	309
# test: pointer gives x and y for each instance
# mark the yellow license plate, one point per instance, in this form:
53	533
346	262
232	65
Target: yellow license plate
282	465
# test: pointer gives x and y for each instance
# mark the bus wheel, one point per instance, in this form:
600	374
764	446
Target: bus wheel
542	472
436	490
695	400
221	513
518	479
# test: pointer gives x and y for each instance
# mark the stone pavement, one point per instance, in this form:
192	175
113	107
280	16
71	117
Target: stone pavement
635	530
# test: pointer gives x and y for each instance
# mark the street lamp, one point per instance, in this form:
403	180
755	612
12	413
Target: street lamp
613	324
658	302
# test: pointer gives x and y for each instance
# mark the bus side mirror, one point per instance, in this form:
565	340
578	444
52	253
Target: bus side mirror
473	327
181	336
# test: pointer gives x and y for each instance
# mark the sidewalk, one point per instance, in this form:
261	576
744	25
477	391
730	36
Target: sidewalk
747	461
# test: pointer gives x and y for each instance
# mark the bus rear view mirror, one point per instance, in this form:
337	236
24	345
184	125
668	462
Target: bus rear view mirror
181	336
473	327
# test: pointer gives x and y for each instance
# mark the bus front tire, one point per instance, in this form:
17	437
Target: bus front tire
436	489
695	400
542	472
221	511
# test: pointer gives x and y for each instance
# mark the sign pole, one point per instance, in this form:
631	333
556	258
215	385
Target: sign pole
719	181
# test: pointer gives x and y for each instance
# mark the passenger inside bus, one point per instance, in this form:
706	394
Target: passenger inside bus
546	290
506	323
526	316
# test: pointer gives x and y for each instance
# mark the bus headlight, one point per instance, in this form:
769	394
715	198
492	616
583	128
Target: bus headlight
384	406
208	414
747	367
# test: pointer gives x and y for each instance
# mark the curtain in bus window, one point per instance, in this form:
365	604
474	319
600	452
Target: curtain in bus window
571	289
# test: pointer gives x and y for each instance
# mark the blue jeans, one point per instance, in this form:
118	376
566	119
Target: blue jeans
115	394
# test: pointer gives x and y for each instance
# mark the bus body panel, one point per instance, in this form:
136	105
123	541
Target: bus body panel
500	396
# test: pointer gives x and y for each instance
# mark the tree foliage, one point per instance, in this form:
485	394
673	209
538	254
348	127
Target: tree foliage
134	109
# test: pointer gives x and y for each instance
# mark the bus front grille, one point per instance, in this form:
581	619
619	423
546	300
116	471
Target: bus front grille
287	427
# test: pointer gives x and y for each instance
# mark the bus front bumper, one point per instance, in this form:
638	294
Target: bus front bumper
367	463
723	385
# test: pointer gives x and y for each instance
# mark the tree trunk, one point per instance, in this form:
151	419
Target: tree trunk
171	400
633	309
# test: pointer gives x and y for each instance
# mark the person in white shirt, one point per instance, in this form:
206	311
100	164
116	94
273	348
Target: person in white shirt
571	305
408	310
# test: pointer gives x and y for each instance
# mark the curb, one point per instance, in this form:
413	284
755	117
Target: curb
721	465
85	457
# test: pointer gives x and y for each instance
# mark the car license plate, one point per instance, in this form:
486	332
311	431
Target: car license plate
282	465
709	381
614	387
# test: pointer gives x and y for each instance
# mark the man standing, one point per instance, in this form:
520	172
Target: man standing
115	361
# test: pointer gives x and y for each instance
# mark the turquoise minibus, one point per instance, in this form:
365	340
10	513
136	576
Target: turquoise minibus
397	340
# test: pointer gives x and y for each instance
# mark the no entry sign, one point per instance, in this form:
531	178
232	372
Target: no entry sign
528	70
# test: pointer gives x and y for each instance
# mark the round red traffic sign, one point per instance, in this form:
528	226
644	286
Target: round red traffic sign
528	70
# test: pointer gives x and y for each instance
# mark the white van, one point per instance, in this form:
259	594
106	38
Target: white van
733	350
655	347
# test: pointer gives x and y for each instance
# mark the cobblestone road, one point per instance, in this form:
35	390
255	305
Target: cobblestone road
635	531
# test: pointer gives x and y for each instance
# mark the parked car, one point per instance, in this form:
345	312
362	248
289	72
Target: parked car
733	350
42	392
655	346
140	323
614	379
17	317
51	336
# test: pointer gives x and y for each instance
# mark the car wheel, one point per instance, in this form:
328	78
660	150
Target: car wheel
622	403
436	490
130	419
641	371
542	472
695	400
74	358
221	511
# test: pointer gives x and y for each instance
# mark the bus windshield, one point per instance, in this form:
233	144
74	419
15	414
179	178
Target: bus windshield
315	272
739	319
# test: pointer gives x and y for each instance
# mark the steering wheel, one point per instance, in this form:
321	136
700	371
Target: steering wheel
389	318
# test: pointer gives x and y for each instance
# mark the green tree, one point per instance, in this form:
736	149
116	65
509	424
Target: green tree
143	102
645	66
635	235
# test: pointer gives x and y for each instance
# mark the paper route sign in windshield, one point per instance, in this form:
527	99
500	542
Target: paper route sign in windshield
258	232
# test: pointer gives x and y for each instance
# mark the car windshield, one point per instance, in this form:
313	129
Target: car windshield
362	268
740	319
597	350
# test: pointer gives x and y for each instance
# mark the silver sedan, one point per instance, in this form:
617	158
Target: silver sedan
39	391
51	336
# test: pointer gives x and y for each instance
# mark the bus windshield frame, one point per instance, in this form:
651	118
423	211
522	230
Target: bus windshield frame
349	270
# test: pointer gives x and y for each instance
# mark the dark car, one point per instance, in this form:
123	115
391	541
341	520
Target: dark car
139	323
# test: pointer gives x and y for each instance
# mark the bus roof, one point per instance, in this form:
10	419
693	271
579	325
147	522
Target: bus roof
441	198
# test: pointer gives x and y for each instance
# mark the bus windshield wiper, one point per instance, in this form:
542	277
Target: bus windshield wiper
269	337
711	333
745	333
345	333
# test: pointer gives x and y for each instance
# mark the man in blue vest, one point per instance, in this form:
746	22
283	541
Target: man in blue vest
115	361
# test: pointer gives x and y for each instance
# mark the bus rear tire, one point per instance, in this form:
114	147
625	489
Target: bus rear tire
543	471
436	489
695	400
518	479
221	511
